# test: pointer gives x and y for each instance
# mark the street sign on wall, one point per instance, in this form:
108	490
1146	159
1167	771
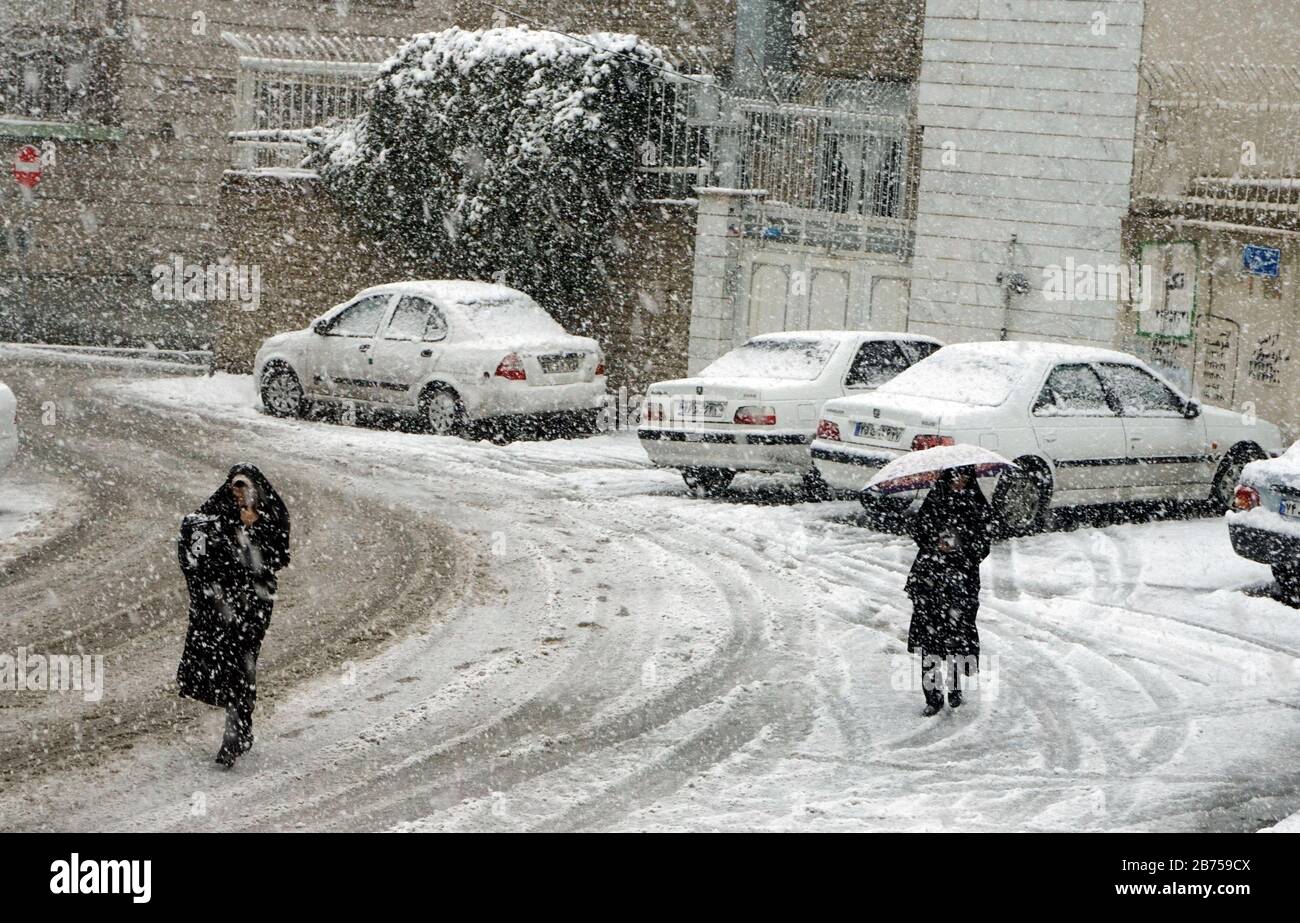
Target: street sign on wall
27	166
1261	261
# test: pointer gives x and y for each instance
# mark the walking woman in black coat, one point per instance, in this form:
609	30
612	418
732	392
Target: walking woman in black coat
953	533
229	551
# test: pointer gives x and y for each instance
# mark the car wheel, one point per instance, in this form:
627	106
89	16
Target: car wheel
282	392
814	486
441	412
710	481
1287	577
1228	477
587	422
1021	502
885	514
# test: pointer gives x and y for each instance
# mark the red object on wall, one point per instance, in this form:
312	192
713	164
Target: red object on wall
27	166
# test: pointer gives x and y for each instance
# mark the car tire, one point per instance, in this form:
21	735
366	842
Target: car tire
1287	578
1022	502
1224	486
441	412
587	422
885	514
814	487
709	481
282	394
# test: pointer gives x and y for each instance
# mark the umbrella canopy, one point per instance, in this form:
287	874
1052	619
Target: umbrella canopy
919	470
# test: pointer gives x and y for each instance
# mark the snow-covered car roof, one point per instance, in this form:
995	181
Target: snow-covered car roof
1031	351
988	373
459	291
842	335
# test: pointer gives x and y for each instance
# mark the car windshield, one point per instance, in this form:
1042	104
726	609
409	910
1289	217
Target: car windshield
783	357
507	315
962	376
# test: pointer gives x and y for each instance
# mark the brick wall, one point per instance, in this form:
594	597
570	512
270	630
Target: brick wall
309	260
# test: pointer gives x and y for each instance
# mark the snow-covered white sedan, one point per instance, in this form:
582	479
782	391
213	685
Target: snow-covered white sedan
453	352
1084	425
8	426
755	408
1265	521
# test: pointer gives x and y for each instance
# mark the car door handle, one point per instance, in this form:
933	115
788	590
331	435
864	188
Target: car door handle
426	353
363	347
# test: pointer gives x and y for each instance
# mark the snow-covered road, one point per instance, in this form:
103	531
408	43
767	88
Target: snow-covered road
627	656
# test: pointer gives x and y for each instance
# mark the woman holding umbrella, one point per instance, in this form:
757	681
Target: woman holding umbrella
229	550
953	532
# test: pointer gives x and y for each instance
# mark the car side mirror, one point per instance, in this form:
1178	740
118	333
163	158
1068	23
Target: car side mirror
1191	410
320	327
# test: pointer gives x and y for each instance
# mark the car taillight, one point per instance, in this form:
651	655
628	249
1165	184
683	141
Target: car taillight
652	413
753	415
600	366
929	441
828	430
512	368
1246	498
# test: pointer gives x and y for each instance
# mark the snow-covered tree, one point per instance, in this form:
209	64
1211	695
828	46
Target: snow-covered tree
502	154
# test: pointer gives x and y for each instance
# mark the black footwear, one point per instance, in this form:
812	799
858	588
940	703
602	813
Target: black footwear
932	708
954	698
226	756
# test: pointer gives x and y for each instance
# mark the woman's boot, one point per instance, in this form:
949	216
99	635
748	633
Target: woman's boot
230	741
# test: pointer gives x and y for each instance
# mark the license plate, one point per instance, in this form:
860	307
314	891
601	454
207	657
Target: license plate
880	431
694	409
1290	509
554	365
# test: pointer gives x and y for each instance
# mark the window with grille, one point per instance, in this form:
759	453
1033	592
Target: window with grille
46	82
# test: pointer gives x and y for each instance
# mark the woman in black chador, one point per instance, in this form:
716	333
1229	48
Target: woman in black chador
953	532
229	550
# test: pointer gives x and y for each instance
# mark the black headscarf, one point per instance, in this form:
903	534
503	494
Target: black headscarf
271	531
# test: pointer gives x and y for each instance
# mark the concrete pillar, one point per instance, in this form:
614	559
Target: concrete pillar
714	323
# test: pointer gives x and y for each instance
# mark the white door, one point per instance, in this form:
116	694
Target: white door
797	290
828	299
889	297
769	287
1079	431
342	361
408	349
1168	452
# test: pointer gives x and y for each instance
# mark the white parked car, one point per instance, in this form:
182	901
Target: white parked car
756	407
452	352
1265	521
1085	426
8	426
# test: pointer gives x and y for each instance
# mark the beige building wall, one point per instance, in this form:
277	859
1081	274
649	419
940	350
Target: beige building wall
130	194
1218	170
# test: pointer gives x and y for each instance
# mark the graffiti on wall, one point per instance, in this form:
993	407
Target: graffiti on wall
1268	359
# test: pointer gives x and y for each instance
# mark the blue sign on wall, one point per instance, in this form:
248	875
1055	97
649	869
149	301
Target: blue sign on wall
1261	261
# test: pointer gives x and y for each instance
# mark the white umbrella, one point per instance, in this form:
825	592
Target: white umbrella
919	470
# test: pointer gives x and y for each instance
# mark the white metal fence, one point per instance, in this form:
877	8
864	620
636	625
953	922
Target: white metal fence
831	177
835	164
1221	142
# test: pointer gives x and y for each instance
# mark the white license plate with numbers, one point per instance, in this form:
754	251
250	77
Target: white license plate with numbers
878	431
1290	509
712	410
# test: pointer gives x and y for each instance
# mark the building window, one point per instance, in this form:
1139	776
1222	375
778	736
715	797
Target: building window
49	82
